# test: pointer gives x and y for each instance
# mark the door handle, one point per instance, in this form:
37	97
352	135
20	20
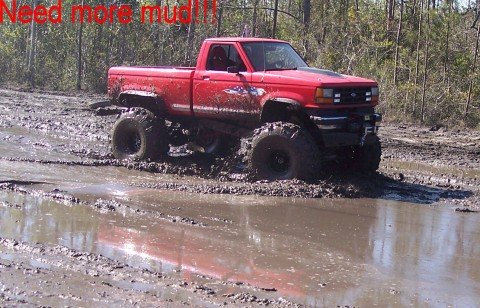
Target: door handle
205	77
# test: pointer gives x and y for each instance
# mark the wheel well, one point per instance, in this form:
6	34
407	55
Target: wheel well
275	111
150	103
292	112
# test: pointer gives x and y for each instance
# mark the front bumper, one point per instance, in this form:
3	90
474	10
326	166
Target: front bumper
351	124
355	129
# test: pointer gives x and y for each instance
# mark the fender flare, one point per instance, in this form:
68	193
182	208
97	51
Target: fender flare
289	102
285	100
140	93
139	98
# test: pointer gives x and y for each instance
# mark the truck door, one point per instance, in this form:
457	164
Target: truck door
223	88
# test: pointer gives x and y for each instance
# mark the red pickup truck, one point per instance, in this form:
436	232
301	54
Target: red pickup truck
291	118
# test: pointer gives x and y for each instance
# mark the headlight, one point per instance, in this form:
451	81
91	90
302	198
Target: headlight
324	96
327	93
375	93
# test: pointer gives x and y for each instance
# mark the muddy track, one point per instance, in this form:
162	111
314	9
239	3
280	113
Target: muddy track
55	150
67	126
442	147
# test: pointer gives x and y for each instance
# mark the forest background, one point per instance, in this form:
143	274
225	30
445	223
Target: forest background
423	53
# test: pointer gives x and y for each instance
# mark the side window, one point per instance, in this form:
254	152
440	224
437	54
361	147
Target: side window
222	56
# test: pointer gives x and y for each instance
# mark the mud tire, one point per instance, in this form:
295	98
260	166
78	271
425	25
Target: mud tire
282	151
368	157
139	135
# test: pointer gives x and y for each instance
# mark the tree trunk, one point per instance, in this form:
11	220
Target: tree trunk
425	65
123	43
190	38
108	50
417	61
219	18
80	55
397	43
473	77
254	17
413	11
275	16
447	46
390	15
158	38
307	5
33	50
162	46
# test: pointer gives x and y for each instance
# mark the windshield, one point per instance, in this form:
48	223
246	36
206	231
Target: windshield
269	56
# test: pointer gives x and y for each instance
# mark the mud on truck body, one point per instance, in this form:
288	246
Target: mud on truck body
291	118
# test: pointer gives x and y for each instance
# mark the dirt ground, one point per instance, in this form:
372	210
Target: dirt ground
78	227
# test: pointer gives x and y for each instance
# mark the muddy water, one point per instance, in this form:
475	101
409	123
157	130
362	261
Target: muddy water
318	252
314	252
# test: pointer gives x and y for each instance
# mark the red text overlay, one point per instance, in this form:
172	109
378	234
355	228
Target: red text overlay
199	11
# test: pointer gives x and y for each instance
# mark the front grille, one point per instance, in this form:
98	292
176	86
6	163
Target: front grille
352	95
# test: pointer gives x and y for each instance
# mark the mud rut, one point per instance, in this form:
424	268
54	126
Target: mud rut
51	138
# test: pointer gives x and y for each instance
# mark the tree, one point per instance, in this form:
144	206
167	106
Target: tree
275	17
33	50
190	37
417	61
307	6
80	54
476	26
397	43
425	67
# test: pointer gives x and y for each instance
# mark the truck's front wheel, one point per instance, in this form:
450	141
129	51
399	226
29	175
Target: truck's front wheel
367	157
139	135
282	151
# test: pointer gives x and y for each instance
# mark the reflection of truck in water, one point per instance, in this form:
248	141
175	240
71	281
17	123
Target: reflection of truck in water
189	252
292	117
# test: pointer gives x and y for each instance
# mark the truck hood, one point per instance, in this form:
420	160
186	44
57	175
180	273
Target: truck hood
309	76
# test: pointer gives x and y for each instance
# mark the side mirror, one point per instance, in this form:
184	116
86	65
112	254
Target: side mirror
233	70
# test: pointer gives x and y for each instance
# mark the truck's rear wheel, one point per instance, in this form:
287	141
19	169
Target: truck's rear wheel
139	135
367	157
282	151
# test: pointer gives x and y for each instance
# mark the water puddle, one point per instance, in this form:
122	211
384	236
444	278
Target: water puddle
315	252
